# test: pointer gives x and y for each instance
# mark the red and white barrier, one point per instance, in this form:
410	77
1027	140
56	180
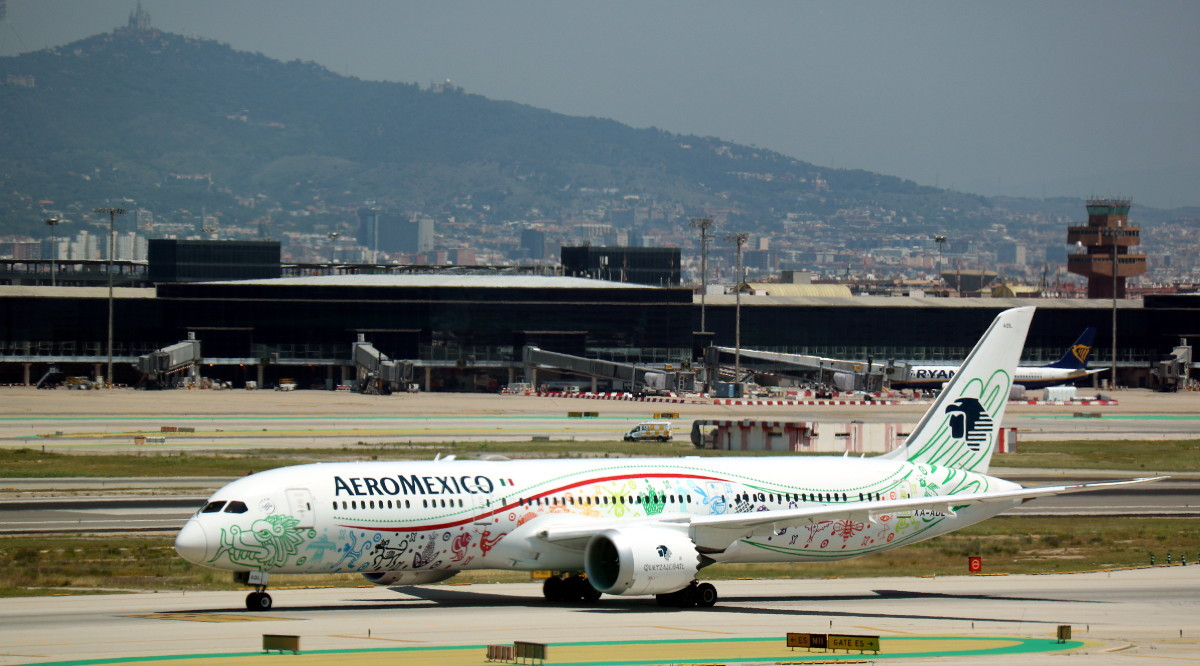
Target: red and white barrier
1069	403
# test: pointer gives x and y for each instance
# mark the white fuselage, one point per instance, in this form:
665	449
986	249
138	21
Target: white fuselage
455	514
1031	377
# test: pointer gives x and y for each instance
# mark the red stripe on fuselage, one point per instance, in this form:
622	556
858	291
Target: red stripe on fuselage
510	505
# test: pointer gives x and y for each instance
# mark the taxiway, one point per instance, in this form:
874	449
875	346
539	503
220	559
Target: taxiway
1120	617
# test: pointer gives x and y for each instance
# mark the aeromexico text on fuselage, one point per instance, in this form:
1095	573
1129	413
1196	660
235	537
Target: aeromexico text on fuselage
415	484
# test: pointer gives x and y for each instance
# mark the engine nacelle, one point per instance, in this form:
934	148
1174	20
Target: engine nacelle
407	577
640	560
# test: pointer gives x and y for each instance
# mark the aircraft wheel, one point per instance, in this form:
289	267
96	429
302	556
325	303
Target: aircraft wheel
706	595
554	589
258	601
583	590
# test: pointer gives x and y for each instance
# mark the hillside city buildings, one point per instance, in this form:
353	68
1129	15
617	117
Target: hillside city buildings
873	249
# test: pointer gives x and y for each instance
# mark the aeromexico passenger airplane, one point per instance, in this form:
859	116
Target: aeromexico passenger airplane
635	526
1072	366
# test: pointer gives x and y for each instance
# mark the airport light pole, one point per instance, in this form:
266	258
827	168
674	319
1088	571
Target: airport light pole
1112	234
703	224
112	225
53	222
333	236
739	239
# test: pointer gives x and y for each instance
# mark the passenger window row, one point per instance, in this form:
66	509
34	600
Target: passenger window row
669	498
372	504
794	497
605	501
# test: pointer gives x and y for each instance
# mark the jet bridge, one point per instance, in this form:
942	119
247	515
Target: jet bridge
636	377
171	360
839	373
1175	371
378	374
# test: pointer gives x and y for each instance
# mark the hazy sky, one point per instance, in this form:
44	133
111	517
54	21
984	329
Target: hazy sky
1062	97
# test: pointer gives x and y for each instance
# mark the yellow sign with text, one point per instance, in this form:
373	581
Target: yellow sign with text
847	642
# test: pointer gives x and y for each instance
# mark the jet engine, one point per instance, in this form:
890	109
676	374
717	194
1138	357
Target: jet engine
640	560
407	577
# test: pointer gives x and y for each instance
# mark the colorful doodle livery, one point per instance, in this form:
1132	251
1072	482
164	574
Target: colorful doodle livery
627	526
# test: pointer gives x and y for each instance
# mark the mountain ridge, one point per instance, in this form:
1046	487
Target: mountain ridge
182	123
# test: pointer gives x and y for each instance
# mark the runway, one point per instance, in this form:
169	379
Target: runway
1119	617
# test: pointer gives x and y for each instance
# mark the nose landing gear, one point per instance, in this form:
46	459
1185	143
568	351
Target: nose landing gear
258	600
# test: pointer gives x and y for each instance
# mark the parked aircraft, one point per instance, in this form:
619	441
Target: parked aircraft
635	526
1072	366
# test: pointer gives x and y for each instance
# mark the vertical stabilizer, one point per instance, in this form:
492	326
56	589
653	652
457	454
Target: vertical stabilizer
1077	354
960	428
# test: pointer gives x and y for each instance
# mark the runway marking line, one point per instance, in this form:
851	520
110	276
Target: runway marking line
886	631
210	617
641	652
702	631
374	638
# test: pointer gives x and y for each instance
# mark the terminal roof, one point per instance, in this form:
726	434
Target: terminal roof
444	280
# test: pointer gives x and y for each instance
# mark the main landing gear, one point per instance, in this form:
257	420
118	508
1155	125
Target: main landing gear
702	595
570	589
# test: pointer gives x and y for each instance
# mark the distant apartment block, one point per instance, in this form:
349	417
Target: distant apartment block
391	233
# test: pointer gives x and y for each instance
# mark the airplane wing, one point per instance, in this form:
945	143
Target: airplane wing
719	531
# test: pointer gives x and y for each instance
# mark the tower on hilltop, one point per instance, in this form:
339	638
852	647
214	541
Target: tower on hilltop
139	19
1107	236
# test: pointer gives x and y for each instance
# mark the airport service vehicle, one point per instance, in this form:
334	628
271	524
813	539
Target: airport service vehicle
635	526
659	431
1072	366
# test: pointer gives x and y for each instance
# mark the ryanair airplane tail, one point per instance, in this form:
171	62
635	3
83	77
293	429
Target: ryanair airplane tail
960	429
1076	357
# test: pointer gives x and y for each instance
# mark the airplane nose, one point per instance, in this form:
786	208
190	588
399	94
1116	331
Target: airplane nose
192	542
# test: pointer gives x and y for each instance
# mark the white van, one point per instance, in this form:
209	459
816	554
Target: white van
648	430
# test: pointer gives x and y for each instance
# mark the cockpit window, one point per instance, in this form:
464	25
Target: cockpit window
212	507
236	507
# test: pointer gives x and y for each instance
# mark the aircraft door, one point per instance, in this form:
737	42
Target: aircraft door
300	501
484	506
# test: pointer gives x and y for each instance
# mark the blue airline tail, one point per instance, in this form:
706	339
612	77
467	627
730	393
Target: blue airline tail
1077	355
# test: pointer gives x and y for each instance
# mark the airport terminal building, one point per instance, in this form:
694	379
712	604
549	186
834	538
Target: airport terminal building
467	332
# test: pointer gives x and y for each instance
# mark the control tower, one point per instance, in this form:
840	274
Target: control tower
1107	235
